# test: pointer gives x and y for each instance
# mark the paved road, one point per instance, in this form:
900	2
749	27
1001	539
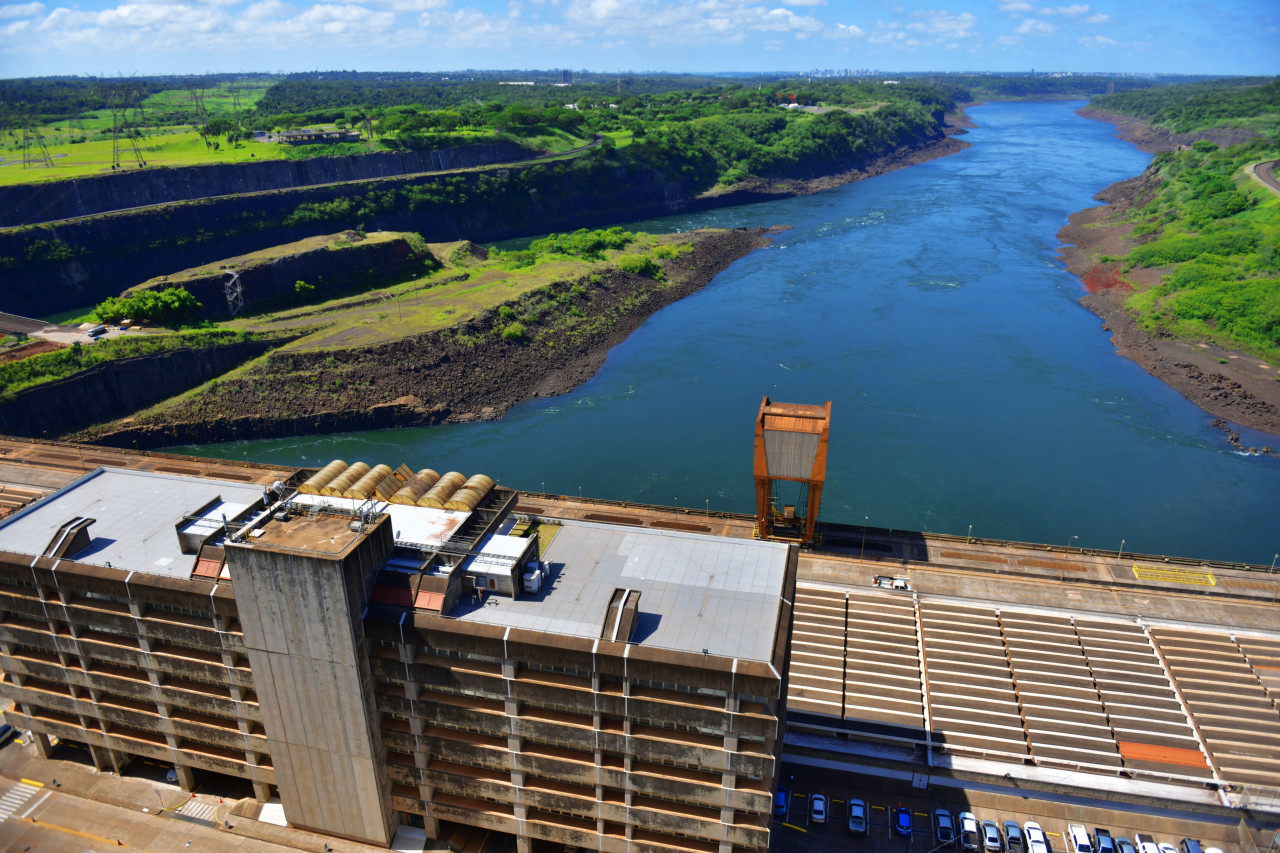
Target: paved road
1265	174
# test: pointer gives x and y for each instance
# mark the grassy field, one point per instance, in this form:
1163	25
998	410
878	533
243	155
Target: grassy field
463	288
168	144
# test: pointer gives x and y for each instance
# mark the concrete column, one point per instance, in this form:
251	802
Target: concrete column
101	758
186	779
524	844
44	747
432	826
261	791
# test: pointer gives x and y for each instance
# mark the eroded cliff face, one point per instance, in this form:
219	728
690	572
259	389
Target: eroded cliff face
26	205
78	263
327	267
117	389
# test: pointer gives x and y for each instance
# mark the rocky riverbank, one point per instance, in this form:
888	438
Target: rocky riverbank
464	373
1234	387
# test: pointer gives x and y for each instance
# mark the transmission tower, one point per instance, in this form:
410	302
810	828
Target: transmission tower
202	114
123	101
31	136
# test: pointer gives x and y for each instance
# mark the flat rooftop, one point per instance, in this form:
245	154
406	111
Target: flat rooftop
697	592
135	514
420	526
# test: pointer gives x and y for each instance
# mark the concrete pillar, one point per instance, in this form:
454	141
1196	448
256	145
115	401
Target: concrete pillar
432	826
101	758
43	746
261	791
524	844
186	778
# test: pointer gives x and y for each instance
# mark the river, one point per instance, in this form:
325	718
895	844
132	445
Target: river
968	386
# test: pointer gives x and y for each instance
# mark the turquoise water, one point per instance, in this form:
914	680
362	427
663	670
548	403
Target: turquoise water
968	387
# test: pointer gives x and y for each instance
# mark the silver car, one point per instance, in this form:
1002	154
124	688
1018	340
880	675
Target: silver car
991	842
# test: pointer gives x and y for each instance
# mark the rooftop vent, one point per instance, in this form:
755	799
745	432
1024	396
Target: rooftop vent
71	538
621	615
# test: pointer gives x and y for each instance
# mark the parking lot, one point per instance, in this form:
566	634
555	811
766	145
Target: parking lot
796	833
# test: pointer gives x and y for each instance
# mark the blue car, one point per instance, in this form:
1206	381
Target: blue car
902	820
780	802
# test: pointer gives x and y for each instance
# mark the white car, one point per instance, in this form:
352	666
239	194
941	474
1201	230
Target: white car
969	837
1036	842
818	808
857	817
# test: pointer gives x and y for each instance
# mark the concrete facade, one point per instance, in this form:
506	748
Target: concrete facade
315	655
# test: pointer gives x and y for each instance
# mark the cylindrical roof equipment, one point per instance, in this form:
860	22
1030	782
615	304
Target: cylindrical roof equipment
442	490
482	483
362	488
345	480
322	478
464	499
416	487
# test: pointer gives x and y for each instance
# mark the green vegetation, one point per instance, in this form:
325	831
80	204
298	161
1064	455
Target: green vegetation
46	367
170	307
1219	233
1248	102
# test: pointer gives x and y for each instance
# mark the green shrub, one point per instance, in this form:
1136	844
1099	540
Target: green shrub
641	265
514	333
171	307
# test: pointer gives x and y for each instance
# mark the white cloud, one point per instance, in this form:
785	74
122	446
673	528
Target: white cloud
1008	40
1069	11
21	10
1097	19
844	31
1032	25
1096	41
804	2
1015	7
942	25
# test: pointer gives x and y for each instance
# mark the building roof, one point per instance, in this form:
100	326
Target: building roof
135	518
697	593
415	526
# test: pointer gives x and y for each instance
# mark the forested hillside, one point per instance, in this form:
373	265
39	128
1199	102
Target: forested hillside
1249	102
1218	233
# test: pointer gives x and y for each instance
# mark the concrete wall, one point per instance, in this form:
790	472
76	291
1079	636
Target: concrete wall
301	617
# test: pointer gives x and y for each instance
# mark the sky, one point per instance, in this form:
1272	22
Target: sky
111	37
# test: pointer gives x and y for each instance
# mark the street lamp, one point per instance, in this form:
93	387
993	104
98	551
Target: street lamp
1273	568
968	537
1120	556
1073	539
863	550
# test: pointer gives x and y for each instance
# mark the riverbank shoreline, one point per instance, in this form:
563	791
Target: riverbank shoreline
1233	387
464	373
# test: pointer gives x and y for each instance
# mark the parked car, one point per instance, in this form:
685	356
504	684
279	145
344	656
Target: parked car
969	839
1167	848
818	808
1103	841
6	731
944	830
1036	842
991	837
1147	846
858	817
1124	845
1013	837
902	820
1078	839
781	801
1189	845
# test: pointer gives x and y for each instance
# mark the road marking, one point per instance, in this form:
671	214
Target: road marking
198	810
922	814
1198	577
793	826
16	798
882	808
35	805
33	783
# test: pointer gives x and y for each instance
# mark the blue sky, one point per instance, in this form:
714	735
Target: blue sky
108	37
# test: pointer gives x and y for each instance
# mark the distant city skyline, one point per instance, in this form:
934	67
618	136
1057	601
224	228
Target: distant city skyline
109	37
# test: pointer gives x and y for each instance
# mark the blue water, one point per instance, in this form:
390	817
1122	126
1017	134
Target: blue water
968	387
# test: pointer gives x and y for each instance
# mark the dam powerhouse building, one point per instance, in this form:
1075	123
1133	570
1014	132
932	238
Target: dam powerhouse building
388	647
